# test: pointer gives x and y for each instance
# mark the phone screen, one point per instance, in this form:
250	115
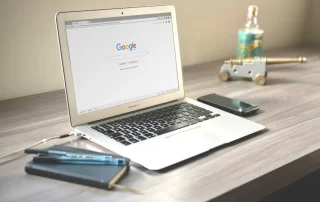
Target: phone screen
228	102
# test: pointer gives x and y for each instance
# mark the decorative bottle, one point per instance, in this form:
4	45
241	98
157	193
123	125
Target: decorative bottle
250	38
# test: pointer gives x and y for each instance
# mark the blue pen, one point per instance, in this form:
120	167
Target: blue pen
55	156
108	160
53	152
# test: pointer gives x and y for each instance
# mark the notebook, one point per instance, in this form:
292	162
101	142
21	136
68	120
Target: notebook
100	176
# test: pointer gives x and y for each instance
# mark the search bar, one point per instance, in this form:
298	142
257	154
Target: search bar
126	56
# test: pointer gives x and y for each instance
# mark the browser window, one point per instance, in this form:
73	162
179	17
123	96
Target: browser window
122	59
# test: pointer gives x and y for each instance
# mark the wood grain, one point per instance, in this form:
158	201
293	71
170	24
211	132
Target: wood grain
243	171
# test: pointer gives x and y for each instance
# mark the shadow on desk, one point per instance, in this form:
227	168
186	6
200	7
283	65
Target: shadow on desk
305	190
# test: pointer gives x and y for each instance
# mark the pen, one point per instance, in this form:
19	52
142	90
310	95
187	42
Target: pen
75	160
94	157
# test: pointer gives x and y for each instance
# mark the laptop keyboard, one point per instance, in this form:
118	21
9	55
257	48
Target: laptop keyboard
154	123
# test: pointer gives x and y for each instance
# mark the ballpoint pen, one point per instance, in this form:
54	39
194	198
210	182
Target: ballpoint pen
75	160
69	157
52	152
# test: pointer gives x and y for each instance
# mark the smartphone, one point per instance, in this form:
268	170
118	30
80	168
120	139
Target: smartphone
228	104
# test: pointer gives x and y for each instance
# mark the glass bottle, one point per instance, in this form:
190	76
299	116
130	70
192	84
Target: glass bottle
250	38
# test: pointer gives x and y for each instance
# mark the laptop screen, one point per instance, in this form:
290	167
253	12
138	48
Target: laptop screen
121	59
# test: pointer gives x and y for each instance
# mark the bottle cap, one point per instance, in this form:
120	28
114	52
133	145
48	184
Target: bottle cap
253	11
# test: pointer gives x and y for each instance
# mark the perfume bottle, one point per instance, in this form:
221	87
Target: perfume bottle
250	38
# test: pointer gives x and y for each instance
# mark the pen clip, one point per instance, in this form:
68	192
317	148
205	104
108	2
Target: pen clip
35	151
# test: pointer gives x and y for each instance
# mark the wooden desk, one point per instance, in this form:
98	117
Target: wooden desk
244	171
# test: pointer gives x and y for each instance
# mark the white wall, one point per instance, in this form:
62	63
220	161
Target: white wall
29	52
313	23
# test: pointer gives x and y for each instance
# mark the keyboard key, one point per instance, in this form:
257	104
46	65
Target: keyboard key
193	122
195	115
147	121
180	115
161	121
171	128
128	136
151	129
97	128
135	134
126	131
114	135
183	119
141	138
125	143
188	117
157	127
140	127
118	129
117	125
154	123
164	125
148	125
170	123
108	132
125	127
133	140
123	132
105	126
150	135
133	129
143	132
178	121
119	139
134	125
121	122
111	124
203	113
131	125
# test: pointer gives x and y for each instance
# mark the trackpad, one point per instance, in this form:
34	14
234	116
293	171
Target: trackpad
196	137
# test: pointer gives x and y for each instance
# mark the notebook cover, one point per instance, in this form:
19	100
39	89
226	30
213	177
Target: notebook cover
91	175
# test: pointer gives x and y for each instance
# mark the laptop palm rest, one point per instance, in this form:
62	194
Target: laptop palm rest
195	137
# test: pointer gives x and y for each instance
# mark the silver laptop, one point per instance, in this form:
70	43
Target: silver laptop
124	87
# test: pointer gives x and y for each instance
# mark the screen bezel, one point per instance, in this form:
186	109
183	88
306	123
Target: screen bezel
78	119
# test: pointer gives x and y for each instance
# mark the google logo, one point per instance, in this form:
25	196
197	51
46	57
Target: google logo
131	46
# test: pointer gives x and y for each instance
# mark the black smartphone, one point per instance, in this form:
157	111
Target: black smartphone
228	104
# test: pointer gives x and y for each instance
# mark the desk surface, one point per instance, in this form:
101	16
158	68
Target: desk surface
246	170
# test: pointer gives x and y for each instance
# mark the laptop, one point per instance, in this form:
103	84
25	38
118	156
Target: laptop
124	87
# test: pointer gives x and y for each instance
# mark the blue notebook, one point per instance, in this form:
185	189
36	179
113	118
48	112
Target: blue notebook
100	176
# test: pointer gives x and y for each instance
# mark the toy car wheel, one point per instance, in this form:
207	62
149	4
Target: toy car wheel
224	76
260	80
